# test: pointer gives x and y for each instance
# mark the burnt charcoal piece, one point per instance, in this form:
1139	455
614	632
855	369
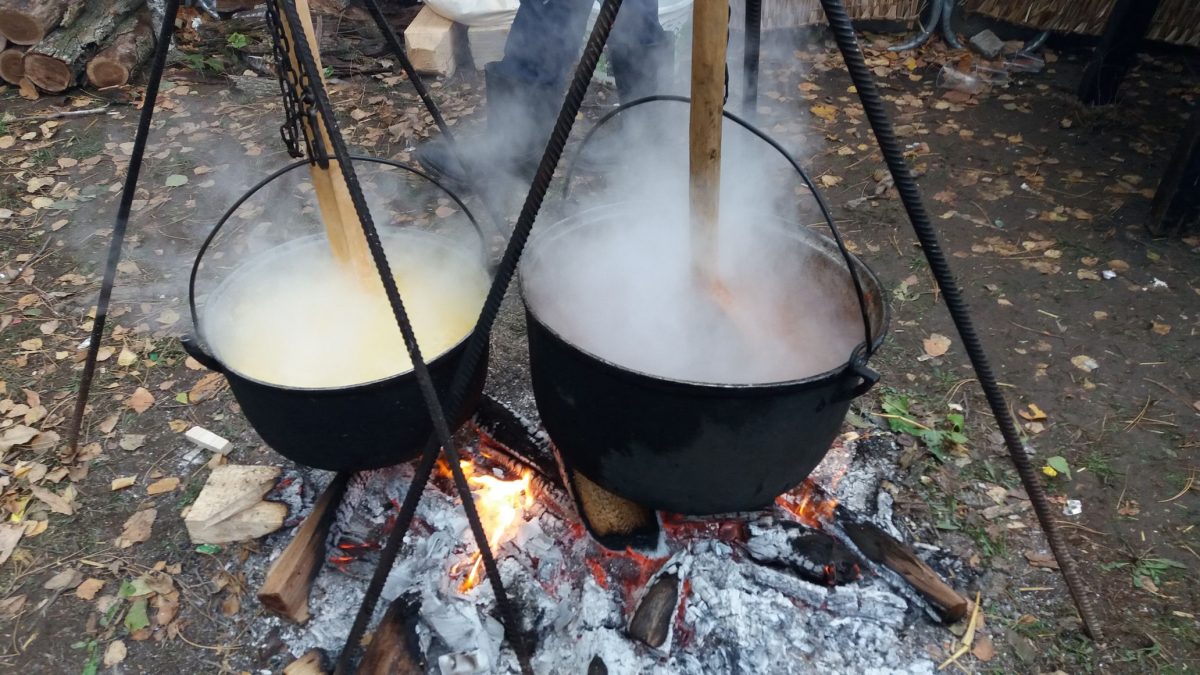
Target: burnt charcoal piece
810	554
651	623
395	648
597	667
504	427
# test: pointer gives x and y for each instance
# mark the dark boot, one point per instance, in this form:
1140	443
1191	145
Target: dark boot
638	73
520	115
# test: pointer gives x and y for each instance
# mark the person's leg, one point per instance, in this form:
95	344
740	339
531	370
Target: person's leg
641	52
524	93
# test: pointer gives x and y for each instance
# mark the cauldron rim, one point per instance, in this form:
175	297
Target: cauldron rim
878	328
379	383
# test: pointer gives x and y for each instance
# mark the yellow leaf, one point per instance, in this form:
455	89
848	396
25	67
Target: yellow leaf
824	111
123	482
1049	471
161	486
1033	413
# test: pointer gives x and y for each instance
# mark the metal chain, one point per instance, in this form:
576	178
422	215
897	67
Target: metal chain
310	86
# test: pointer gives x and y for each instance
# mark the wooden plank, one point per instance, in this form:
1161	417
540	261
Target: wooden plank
230	506
881	548
342	226
289	580
429	40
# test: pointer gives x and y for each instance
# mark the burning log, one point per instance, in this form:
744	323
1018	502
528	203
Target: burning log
395	648
651	622
881	548
12	65
26	22
55	63
114	65
808	553
285	590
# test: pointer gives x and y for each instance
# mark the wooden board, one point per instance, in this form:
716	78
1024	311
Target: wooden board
230	507
429	40
710	30
286	587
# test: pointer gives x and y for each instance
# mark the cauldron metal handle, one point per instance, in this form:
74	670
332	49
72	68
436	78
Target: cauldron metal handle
194	344
867	344
858	366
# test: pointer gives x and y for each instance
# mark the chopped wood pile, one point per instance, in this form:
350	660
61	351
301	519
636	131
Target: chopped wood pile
53	43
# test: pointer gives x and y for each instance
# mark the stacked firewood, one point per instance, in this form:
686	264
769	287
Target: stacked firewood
53	43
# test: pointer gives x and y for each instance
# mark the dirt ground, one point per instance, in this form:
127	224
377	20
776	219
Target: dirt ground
1042	204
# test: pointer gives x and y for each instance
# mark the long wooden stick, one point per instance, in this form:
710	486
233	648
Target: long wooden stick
710	29
333	197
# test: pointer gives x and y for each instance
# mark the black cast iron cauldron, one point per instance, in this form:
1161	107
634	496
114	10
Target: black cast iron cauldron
352	428
691	447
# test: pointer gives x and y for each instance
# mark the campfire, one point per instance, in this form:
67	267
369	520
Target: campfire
741	590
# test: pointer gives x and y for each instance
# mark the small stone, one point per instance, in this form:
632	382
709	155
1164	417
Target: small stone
987	43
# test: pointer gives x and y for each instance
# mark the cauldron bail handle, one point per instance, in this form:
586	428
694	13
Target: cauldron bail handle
867	348
858	366
195	341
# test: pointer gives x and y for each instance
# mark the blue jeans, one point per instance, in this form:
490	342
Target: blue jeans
547	37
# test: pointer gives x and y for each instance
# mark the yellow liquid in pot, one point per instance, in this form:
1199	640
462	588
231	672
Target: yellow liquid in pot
301	320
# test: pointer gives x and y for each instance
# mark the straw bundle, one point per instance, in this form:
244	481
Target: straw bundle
1177	21
796	13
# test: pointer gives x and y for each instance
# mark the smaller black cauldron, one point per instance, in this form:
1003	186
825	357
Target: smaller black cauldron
351	428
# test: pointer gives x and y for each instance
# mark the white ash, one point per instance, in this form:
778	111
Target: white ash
737	616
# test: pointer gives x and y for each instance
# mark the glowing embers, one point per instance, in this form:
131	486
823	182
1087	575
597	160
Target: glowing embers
502	505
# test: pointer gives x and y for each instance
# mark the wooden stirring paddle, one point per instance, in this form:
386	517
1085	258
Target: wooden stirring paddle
342	225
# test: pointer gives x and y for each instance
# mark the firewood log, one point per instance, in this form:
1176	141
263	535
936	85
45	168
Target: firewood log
3	42
12	67
26	22
55	63
115	64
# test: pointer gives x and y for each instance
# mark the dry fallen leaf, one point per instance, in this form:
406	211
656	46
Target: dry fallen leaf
1085	363
205	388
1087	275
1034	413
1041	560
984	649
167	606
56	503
936	344
89	588
161	486
126	358
1160	328
64	580
140	400
825	112
114	653
137	528
123	482
10	536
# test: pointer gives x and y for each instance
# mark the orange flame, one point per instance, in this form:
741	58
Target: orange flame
500	503
809	504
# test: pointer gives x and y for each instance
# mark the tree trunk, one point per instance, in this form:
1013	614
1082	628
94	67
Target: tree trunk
133	44
26	22
12	68
54	64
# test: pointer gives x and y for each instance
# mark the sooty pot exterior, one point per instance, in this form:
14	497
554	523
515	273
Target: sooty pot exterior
354	428
683	447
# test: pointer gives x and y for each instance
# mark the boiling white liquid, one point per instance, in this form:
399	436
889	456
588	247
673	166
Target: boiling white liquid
300	319
630	294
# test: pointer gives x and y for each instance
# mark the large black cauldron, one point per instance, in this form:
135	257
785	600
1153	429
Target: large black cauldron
691	447
351	428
